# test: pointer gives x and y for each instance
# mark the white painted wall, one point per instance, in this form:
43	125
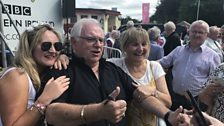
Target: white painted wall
25	12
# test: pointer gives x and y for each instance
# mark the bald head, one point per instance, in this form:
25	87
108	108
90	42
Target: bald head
200	23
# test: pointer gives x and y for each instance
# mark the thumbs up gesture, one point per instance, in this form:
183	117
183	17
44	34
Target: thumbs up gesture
112	96
114	110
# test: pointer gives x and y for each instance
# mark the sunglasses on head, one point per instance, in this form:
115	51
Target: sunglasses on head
45	46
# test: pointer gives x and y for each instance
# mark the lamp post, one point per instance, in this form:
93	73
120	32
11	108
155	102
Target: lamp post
198	9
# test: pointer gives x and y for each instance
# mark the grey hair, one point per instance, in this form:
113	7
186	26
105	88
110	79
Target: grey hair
78	26
201	22
115	34
130	24
170	25
213	29
154	33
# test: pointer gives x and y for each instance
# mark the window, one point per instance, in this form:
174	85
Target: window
84	16
94	17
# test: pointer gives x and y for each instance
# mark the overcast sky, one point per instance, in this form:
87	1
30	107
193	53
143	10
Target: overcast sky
132	8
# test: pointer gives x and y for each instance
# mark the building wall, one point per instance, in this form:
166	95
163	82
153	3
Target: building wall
108	21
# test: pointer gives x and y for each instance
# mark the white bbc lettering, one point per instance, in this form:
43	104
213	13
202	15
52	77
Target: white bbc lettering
27	11
8	9
17	10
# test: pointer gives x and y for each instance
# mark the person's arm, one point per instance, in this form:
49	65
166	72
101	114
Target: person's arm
70	114
14	95
187	120
167	61
155	106
162	92
208	94
212	121
14	98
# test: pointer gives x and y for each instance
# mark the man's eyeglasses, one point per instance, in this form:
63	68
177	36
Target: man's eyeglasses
199	32
92	39
45	46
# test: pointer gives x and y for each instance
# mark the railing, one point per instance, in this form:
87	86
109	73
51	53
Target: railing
110	52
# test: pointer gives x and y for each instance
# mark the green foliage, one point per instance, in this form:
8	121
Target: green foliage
128	18
166	11
212	11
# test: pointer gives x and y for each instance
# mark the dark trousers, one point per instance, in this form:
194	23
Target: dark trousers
179	100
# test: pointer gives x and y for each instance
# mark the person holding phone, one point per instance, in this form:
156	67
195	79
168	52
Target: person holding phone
191	64
212	95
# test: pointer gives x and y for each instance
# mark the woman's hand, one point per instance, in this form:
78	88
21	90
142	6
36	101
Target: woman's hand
207	94
142	92
53	89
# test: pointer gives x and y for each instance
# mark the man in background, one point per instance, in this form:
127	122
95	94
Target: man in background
156	51
212	42
172	41
192	64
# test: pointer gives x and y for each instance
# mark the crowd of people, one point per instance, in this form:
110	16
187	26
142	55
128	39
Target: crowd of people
144	87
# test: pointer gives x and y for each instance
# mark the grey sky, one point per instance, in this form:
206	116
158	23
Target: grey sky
131	8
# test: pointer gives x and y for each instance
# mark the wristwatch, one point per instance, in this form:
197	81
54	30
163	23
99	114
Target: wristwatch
155	94
166	116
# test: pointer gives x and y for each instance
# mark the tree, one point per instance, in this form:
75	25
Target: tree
166	11
210	11
186	10
128	18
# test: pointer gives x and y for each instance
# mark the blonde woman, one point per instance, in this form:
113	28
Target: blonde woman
38	49
135	45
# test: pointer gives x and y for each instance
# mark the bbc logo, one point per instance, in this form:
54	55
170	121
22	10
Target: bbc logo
17	10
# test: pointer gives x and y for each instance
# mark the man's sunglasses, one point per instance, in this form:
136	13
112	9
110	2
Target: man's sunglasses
45	46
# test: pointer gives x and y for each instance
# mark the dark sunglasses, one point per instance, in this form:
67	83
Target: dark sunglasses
45	46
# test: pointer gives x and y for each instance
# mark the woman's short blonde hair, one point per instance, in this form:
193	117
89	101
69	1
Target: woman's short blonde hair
134	35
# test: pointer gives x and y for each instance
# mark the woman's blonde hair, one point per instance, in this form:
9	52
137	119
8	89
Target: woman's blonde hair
24	56
134	35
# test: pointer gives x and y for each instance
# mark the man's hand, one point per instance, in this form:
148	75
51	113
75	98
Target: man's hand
189	120
174	116
113	110
62	60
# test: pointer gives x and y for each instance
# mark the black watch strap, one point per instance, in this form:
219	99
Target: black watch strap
166	116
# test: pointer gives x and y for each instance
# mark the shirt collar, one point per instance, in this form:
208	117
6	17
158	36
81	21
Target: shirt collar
201	47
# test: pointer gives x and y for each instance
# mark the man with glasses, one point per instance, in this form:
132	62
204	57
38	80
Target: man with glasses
99	90
191	63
